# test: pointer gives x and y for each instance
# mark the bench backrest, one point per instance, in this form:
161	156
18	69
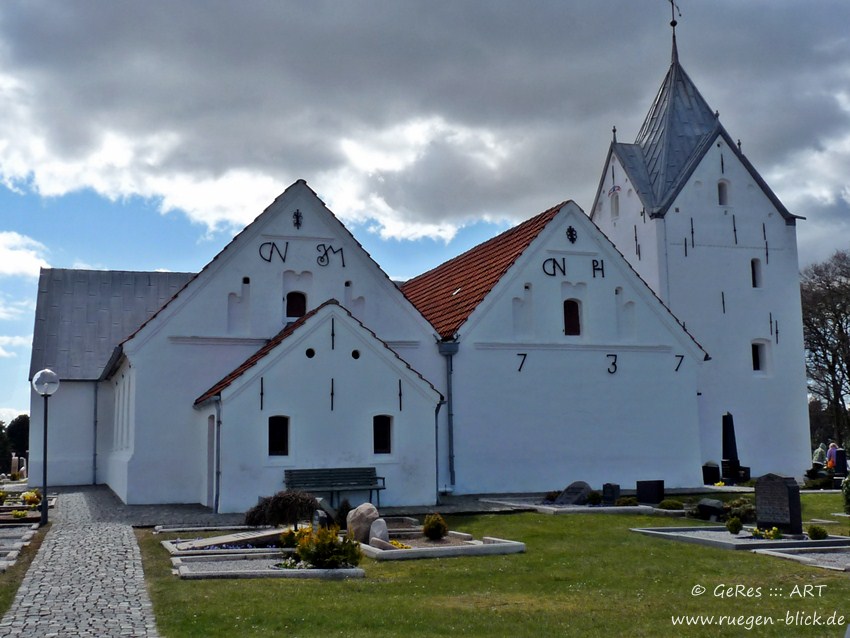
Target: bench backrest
330	477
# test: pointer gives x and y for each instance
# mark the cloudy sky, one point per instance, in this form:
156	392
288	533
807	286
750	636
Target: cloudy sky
143	135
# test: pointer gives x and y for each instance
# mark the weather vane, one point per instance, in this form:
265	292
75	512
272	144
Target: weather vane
674	9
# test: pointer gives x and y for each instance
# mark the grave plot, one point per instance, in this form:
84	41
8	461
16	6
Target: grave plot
405	540
12	540
719	536
834	558
258	566
262	541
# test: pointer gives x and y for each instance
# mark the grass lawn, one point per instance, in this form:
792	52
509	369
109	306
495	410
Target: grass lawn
583	575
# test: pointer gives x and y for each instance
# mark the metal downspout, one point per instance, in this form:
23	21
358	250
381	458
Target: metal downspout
94	439
217	488
448	349
437	449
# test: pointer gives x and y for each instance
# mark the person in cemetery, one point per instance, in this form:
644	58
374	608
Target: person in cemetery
819	457
830	455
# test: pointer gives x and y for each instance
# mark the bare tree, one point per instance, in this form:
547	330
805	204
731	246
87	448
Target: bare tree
825	290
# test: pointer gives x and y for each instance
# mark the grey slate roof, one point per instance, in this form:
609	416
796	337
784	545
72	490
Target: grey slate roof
82	315
676	134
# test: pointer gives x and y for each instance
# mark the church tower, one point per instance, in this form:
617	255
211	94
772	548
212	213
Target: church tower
705	231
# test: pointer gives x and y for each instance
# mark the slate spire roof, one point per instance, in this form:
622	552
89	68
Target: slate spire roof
677	133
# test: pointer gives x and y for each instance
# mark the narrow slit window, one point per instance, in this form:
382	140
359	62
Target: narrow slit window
760	357
572	317
296	305
722	193
382	426
615	205
755	273
278	435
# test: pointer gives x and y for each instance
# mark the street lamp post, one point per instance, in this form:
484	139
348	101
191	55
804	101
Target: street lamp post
45	383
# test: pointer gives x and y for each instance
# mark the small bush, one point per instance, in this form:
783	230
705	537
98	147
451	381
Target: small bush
3	496
31	498
291	537
15	476
742	508
551	496
434	527
769	534
734	525
19	513
284	508
325	549
845	489
671	504
594	498
256	516
626	501
816	532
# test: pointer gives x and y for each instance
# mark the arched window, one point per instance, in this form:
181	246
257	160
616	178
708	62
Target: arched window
615	205
722	193
572	317
755	272
382	425
278	435
296	305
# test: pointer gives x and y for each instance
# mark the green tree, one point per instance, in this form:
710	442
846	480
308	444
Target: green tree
18	432
5	450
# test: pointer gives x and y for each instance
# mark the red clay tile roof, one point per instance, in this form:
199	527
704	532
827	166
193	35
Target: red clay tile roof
275	341
448	294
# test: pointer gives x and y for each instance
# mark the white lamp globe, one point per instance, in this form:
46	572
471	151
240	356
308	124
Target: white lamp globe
45	382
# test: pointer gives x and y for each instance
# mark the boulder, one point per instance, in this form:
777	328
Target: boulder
359	521
710	509
575	494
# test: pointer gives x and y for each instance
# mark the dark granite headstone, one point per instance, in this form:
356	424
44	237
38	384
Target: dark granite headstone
321	520
730	445
575	494
710	473
730	470
610	493
840	462
778	504
710	509
650	491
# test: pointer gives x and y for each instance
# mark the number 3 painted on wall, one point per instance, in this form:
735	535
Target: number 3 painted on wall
613	367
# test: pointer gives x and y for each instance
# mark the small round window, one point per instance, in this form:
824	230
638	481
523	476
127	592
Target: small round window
310	353
355	354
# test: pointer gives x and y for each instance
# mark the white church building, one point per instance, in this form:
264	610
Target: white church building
540	357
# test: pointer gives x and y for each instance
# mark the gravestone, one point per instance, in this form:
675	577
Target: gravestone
710	509
610	493
710	473
650	491
379	530
575	494
360	521
778	504
840	462
254	537
321	520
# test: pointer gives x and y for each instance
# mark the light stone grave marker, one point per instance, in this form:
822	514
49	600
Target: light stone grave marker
240	538
575	494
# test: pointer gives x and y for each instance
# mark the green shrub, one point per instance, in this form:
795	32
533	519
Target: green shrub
434	527
845	489
742	508
3	496
626	501
551	496
816	532
734	525
291	537
671	504
19	513
325	549
594	498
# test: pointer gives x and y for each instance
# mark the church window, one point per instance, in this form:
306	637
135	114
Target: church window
296	305
723	193
278	435
572	317
615	205
760	356
382	425
755	273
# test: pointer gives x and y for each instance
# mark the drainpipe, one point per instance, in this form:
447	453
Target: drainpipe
94	439
217	488
437	448
448	349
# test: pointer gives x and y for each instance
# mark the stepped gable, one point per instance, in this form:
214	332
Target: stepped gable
449	293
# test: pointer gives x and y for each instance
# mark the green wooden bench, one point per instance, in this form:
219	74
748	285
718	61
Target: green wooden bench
335	480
